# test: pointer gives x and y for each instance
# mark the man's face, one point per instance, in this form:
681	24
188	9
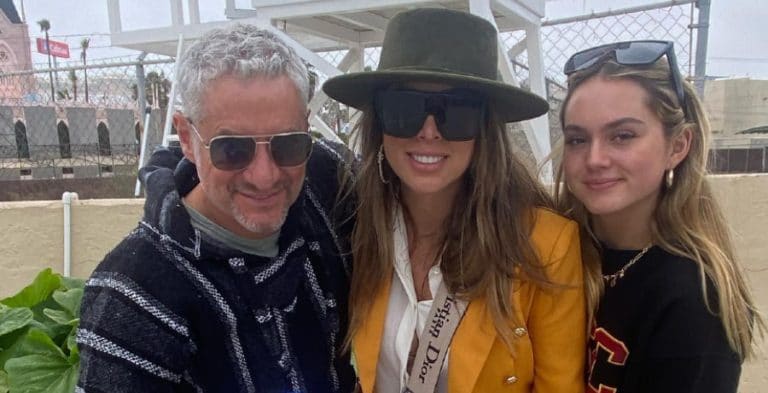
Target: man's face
251	202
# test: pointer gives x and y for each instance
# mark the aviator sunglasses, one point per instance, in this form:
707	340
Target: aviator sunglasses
630	53
459	114
235	152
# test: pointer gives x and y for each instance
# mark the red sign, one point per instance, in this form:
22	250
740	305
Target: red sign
58	48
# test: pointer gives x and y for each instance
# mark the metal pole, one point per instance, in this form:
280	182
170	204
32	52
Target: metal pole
690	42
141	98
141	90
702	40
142	152
55	74
622	11
50	67
90	67
172	97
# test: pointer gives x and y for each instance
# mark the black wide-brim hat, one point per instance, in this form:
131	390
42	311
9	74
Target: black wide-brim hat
443	46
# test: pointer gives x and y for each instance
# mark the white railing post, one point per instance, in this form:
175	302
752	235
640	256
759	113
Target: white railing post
66	200
194	11
113	11
177	13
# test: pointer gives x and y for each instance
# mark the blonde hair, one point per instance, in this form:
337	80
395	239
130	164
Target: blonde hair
687	221
487	242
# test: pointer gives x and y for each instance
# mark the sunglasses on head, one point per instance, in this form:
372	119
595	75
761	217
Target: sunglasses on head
630	53
459	114
235	152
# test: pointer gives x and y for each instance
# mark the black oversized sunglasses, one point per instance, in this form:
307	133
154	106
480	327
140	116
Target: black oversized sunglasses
235	152
459	114
630	53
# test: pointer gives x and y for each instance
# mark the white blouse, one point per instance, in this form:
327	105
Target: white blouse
405	315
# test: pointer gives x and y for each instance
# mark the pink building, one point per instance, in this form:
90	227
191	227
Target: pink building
14	50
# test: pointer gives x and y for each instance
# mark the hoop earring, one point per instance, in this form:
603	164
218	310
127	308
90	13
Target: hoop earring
379	159
669	179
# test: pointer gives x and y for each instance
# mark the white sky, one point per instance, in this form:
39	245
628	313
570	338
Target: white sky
738	36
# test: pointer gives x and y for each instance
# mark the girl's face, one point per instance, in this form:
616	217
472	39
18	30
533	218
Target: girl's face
426	163
616	151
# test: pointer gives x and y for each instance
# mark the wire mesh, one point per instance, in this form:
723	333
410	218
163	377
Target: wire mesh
559	40
79	121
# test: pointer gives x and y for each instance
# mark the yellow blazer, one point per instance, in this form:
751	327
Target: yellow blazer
549	351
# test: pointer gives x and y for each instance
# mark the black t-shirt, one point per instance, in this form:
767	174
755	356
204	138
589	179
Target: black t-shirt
654	333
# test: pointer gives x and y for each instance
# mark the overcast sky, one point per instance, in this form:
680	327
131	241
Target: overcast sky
738	37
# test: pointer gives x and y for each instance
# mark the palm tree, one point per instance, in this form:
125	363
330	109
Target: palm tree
157	89
84	44
45	25
63	94
73	79
312	80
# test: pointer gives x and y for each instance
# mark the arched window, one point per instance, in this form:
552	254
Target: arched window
65	150
105	148
22	145
7	57
137	129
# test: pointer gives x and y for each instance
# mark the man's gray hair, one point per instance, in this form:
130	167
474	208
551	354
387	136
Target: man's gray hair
239	50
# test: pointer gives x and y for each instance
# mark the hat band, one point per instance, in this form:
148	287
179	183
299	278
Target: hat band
438	70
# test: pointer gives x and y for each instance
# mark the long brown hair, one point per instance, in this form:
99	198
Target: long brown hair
687	221
487	243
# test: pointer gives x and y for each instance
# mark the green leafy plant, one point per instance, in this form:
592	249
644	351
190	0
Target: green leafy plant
38	352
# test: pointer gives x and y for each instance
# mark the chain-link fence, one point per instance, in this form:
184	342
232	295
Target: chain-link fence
86	122
562	38
742	155
80	122
559	40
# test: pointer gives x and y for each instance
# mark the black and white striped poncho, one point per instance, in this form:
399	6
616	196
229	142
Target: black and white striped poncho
170	311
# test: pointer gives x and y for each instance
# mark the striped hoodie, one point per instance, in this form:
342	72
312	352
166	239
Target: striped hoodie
170	310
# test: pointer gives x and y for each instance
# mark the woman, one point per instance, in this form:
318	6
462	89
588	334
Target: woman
676	314
450	223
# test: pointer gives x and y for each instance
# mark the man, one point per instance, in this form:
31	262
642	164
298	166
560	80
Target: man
236	278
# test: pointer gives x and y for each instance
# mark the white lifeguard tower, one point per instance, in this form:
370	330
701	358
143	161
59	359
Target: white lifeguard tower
312	26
